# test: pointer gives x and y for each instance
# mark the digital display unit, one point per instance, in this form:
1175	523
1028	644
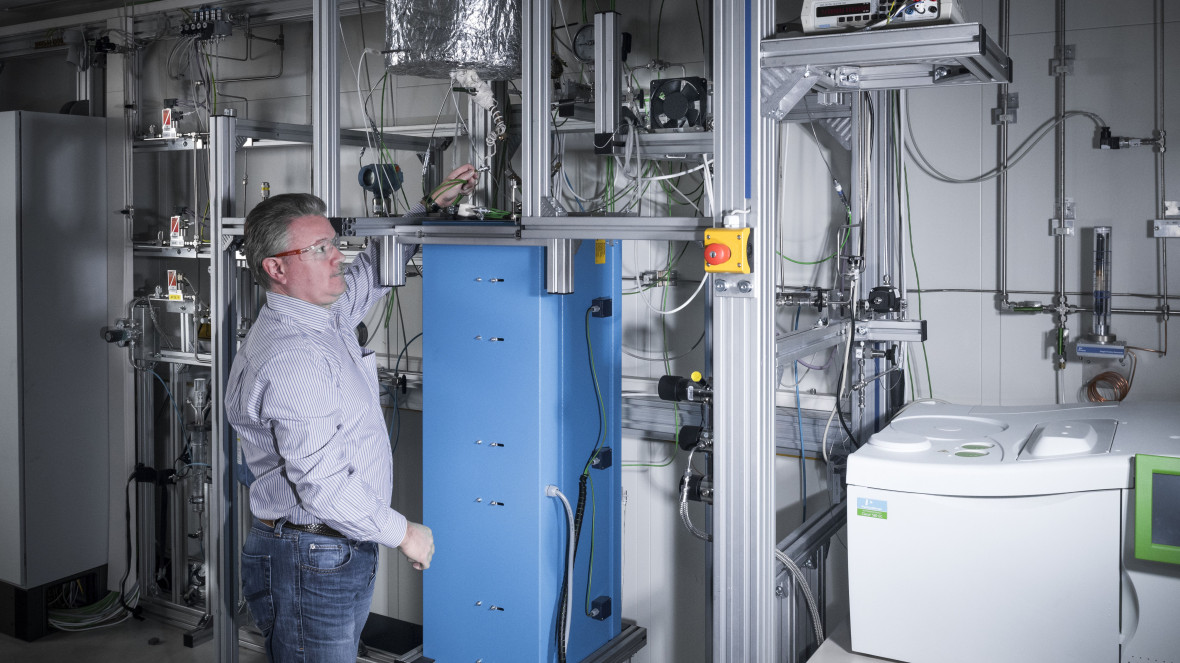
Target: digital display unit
844	10
1157	508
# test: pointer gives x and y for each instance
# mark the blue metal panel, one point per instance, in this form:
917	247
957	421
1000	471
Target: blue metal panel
510	408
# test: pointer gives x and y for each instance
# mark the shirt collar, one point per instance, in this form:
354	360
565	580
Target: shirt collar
301	312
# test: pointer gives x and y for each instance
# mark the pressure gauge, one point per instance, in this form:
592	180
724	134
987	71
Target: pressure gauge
584	43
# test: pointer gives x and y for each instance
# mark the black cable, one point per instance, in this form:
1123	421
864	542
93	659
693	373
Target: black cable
123	583
562	616
839	387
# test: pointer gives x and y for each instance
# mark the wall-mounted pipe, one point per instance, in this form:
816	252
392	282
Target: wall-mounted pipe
1002	179
1160	183
1059	161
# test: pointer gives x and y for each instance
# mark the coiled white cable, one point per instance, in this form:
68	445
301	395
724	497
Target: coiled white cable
469	78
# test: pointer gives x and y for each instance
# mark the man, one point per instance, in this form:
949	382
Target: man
304	400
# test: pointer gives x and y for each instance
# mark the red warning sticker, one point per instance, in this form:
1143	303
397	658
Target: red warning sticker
175	238
173	286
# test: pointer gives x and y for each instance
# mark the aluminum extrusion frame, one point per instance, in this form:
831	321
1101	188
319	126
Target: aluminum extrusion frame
744	625
224	546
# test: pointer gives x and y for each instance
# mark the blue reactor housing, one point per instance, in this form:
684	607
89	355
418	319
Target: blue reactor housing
513	404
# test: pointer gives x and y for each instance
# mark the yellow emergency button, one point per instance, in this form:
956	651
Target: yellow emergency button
728	250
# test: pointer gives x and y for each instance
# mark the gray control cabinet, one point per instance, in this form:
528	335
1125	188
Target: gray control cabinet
54	448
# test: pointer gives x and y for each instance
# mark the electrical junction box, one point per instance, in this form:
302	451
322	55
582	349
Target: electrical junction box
728	250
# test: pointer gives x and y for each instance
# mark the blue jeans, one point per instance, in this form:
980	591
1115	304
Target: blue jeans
309	593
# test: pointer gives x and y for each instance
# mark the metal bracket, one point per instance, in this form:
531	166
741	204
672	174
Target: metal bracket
550	206
1165	228
784	87
733	285
876	331
1006	113
1062	65
1057	227
1064	226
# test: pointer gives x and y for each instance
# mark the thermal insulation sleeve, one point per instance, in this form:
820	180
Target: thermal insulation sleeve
432	38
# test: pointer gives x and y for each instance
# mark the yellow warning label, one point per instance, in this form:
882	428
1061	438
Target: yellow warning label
600	252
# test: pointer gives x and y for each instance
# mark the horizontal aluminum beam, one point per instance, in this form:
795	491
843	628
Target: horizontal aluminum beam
895	58
533	230
913	331
797	345
812	534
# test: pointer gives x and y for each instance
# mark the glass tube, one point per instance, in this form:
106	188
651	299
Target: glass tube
1101	321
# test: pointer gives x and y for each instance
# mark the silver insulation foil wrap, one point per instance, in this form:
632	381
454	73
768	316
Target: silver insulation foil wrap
432	38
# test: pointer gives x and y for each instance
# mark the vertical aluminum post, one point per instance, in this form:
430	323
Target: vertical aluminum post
394	254
608	74
857	240
744	626
222	508
177	504
559	266
537	155
537	149
325	109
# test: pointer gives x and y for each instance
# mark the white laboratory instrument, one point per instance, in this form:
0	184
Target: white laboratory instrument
1008	534
835	15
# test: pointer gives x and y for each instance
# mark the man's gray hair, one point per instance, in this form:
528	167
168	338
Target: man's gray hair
268	226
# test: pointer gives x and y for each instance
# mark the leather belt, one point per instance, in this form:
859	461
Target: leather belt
317	528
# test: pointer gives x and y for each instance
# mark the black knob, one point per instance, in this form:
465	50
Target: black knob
672	388
113	334
689	437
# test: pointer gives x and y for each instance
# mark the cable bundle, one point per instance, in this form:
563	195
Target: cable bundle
106	612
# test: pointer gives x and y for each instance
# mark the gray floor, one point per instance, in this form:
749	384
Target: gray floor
129	642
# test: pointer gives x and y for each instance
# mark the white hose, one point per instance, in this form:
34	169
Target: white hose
646	300
553	491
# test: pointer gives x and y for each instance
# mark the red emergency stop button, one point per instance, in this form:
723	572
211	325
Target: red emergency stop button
717	254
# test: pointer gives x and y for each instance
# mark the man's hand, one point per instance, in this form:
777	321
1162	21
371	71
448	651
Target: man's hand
460	181
418	545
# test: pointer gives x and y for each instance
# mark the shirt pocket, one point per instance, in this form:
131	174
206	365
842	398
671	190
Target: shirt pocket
369	370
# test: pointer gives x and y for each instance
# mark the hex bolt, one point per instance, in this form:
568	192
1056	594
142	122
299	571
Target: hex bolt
745	286
720	285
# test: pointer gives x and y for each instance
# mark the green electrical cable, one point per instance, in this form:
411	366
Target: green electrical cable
847	234
667	370
917	279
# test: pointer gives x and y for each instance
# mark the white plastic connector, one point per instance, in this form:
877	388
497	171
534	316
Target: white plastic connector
732	218
466	209
469	78
551	491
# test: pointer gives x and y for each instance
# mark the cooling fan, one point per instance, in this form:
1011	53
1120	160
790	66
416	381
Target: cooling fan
679	103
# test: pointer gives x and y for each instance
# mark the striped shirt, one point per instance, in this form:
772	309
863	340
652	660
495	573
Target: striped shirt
304	400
